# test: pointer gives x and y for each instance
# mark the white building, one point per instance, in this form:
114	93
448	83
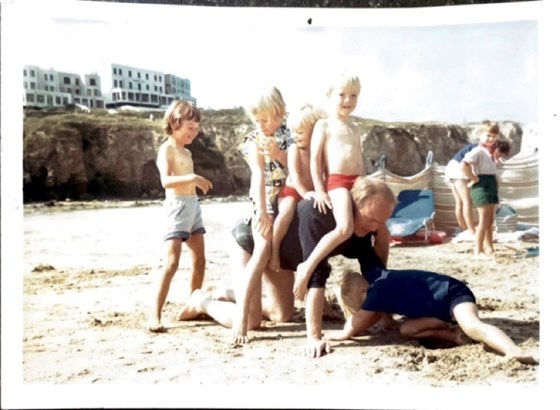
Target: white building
51	88
145	88
124	85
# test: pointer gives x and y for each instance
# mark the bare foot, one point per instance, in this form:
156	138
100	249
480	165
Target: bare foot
301	280
526	357
221	293
193	307
155	326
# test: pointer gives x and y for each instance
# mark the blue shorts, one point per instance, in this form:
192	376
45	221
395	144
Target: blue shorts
458	293
183	217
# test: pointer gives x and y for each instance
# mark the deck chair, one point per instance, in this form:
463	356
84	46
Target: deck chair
415	210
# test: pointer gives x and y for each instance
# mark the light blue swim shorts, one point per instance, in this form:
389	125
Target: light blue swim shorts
183	217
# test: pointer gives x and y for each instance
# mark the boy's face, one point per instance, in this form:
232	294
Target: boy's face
344	99
488	139
187	132
267	123
302	136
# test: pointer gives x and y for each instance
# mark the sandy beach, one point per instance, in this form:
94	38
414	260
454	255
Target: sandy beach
88	286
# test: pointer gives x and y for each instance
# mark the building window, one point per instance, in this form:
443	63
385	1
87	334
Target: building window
46	77
129	73
88	92
66	80
115	83
51	77
57	99
148	87
120	71
129	85
52	88
30	98
32	72
114	71
138	74
77	91
147	76
46	88
120	83
76	81
32	85
25	73
92	82
65	100
69	90
139	86
40	98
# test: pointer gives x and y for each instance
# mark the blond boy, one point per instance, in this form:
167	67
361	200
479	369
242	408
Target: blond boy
264	150
182	210
299	184
431	302
336	161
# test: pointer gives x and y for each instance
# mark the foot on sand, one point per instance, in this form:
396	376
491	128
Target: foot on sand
155	326
193	307
526	357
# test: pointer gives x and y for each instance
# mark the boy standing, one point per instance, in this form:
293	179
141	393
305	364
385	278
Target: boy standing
182	210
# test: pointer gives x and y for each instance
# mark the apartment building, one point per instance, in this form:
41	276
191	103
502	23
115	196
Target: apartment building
51	88
123	85
145	88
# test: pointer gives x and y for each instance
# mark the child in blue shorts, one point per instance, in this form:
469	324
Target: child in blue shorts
183	216
431	303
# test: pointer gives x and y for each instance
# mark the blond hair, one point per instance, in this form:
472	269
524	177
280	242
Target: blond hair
269	102
348	292
305	117
490	127
366	187
344	80
177	112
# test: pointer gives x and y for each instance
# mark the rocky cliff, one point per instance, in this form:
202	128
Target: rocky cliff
99	155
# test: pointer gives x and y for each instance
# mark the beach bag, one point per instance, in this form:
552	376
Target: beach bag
506	219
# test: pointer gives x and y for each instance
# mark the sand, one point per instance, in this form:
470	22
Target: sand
88	285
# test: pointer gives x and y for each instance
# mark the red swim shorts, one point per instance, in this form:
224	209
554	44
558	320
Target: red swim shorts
340	181
289	191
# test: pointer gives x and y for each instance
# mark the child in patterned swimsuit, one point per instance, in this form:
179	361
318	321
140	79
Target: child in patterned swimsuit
265	150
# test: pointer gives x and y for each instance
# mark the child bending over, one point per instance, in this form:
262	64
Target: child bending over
431	303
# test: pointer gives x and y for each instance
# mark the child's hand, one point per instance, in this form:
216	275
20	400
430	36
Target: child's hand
263	223
472	181
203	184
322	201
310	195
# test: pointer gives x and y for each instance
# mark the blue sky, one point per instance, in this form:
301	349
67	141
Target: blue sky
448	68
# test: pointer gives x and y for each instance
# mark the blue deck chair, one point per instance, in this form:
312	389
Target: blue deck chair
415	210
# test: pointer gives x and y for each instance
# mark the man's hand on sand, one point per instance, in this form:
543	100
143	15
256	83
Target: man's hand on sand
316	347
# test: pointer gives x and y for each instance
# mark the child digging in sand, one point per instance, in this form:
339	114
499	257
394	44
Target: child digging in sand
336	154
181	207
430	301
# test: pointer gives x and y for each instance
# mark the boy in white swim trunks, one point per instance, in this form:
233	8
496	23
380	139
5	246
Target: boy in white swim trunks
181	207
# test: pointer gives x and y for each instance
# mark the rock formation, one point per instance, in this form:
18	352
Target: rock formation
99	155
